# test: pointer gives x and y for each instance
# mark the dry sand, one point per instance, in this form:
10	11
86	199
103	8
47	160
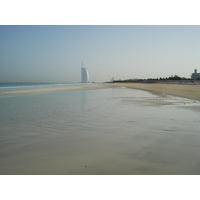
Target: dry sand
58	89
190	91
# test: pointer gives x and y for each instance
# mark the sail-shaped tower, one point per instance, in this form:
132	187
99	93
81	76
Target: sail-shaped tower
84	74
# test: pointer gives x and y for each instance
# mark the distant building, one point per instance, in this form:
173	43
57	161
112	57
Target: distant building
84	74
195	75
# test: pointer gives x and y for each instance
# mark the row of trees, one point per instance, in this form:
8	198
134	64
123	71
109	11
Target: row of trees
151	80
175	77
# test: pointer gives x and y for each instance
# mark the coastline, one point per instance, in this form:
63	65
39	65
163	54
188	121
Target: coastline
190	91
51	90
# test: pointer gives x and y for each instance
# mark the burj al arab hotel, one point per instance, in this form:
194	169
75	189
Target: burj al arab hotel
84	74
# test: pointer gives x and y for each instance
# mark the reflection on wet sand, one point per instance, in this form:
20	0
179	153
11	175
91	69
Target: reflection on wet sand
110	131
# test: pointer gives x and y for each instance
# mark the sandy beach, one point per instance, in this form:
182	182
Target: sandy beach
112	131
190	91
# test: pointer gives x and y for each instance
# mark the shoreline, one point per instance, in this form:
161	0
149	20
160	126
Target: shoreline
52	90
190	91
181	90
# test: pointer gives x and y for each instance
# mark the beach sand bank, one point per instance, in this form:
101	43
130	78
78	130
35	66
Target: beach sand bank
57	89
190	91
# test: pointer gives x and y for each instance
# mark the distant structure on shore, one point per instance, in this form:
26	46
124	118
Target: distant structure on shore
84	74
195	75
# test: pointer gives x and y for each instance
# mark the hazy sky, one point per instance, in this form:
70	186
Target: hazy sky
54	53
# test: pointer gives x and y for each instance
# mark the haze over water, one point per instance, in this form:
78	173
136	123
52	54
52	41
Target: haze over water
54	53
107	131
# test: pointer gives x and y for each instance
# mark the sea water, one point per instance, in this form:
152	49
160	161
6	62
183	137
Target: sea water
105	131
5	87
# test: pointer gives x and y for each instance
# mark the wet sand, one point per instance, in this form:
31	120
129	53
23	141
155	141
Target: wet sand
112	131
115	131
190	91
50	90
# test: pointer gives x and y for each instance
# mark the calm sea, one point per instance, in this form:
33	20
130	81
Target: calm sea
105	131
26	86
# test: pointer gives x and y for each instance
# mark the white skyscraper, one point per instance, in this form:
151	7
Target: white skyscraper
84	74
